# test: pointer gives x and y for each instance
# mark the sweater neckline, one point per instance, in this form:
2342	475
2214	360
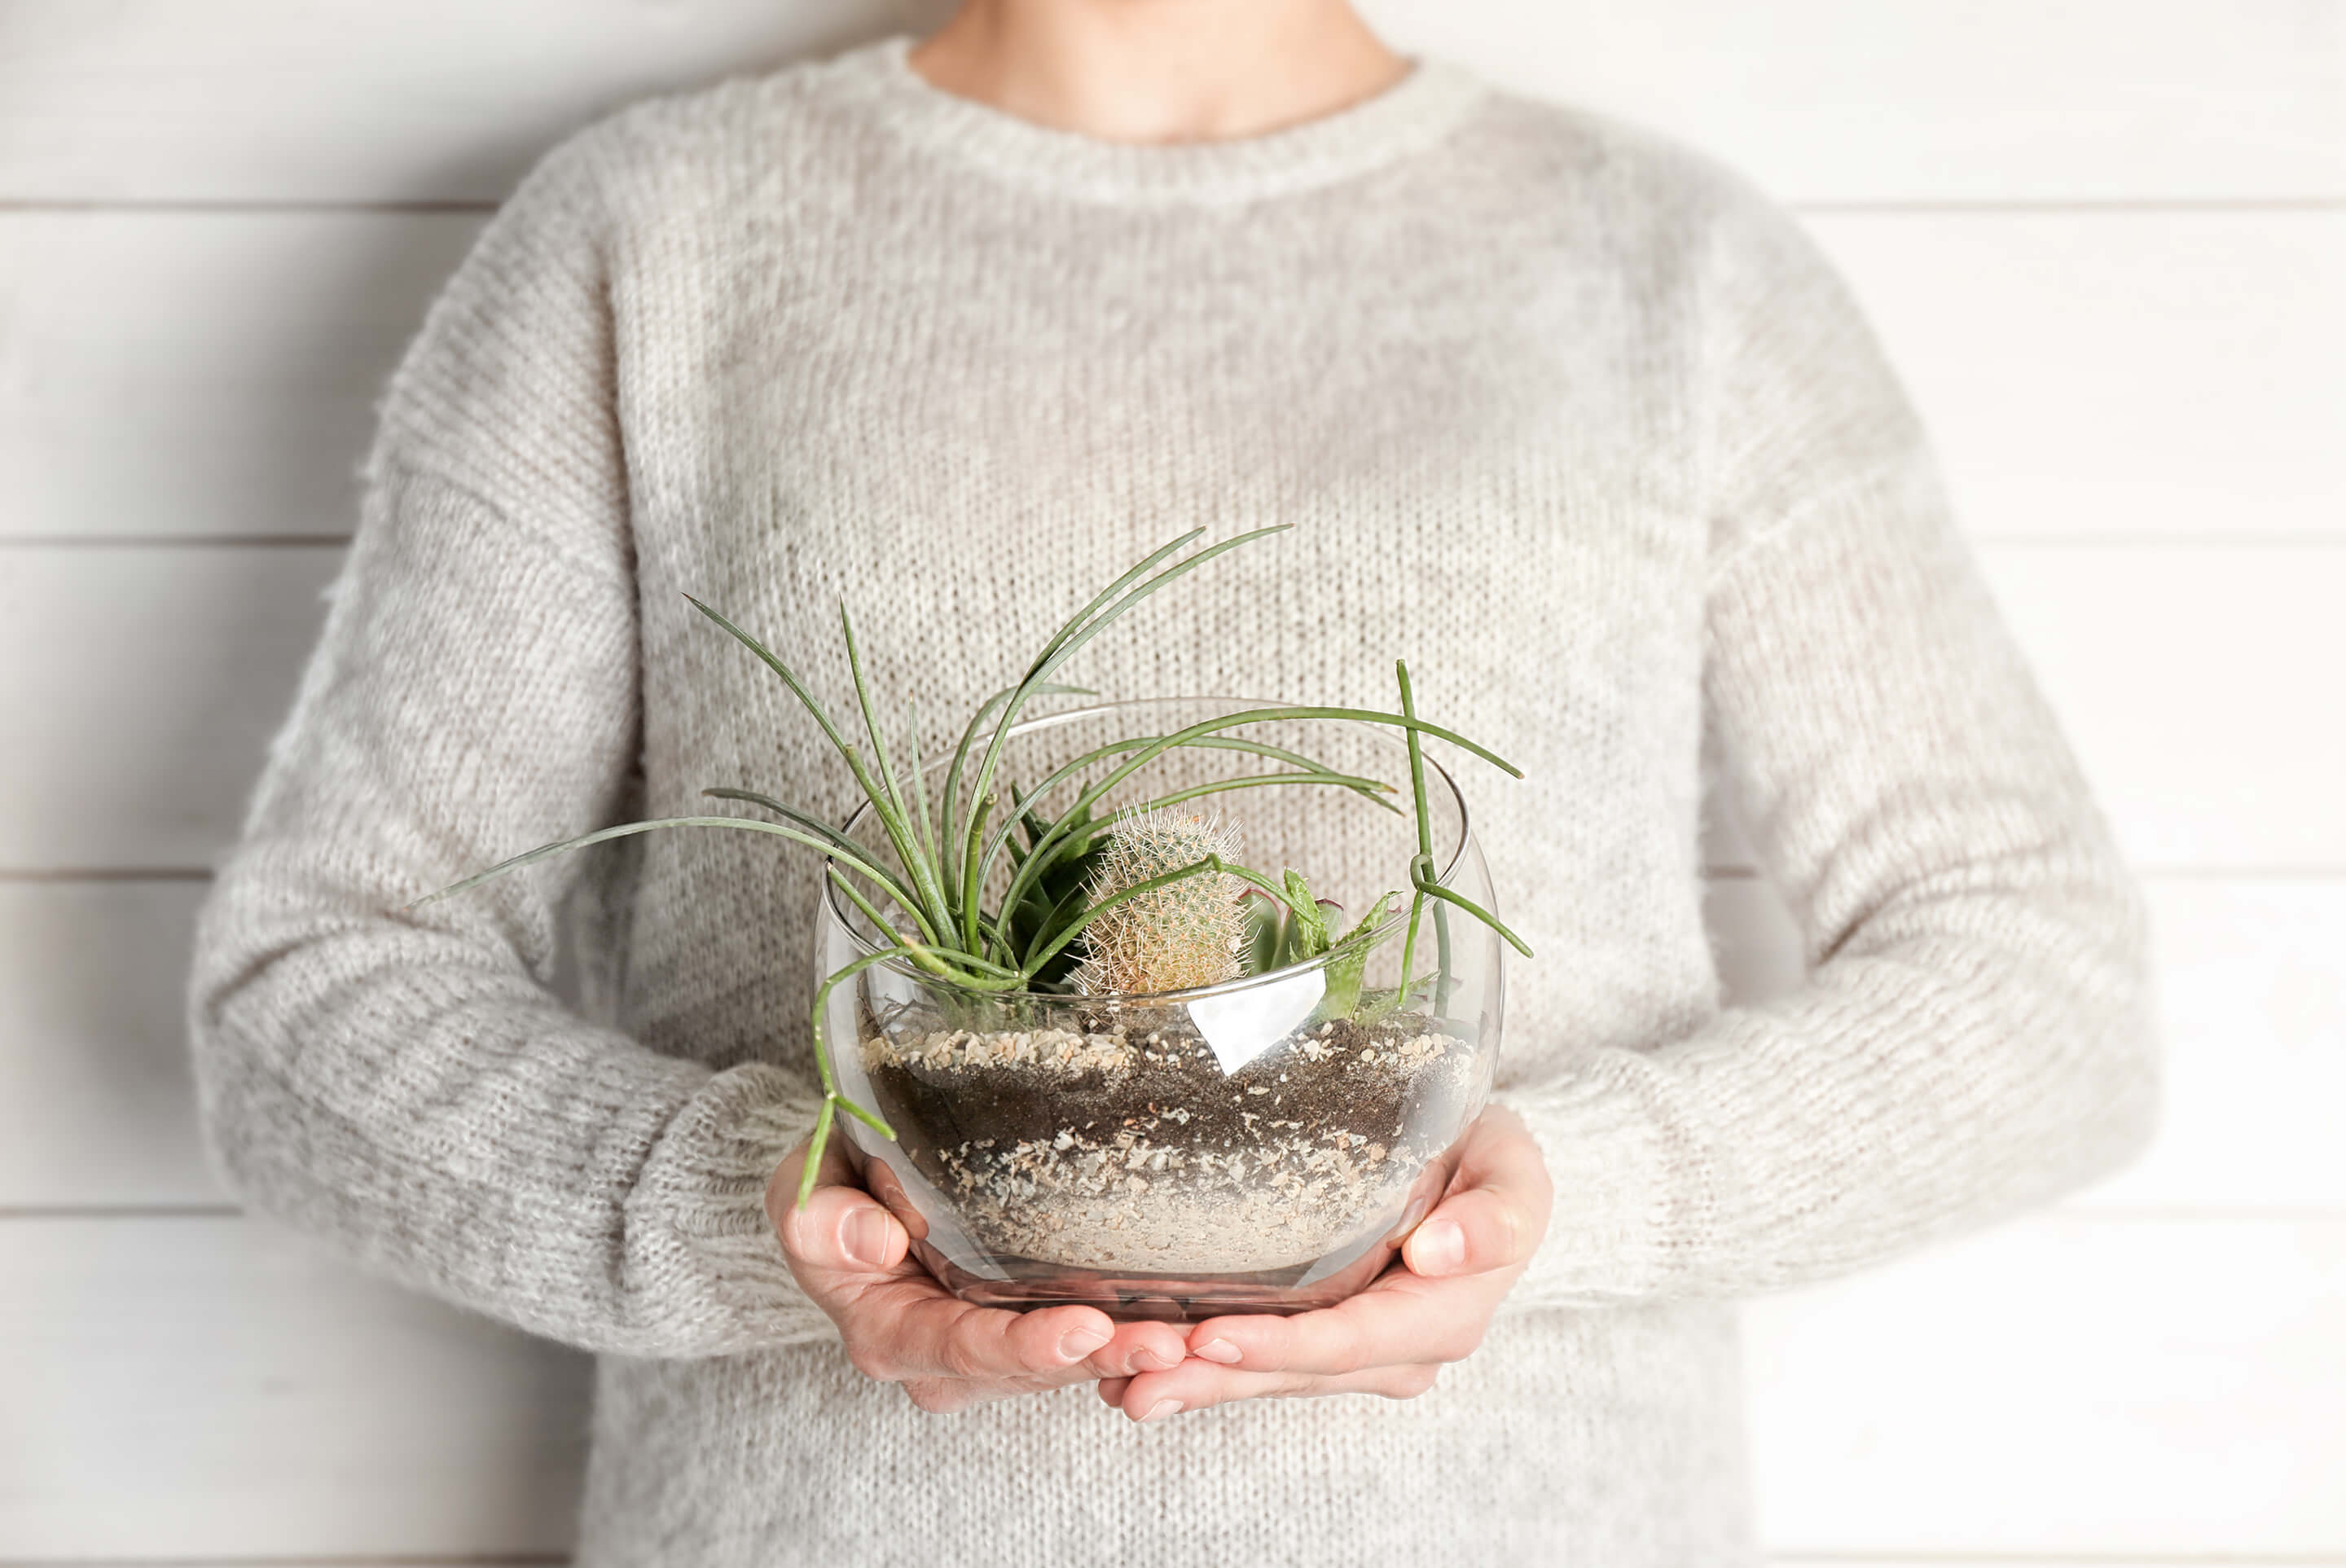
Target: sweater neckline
1401	117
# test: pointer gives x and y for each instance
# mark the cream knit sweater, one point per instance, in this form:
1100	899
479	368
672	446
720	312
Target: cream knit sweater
1567	415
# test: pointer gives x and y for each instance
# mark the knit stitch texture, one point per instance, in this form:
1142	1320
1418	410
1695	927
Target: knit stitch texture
1571	416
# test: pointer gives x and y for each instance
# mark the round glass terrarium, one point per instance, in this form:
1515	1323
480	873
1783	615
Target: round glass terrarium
1261	1145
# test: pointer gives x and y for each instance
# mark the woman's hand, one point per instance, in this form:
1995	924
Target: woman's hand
851	1256
1392	1337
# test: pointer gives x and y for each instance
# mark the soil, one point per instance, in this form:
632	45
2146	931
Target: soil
1124	1147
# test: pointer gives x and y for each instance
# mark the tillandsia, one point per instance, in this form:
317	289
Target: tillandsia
1070	876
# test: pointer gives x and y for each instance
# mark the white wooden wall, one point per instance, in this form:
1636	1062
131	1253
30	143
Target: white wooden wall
2104	239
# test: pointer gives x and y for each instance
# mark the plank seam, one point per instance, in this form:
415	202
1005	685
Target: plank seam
1859	1559
377	1561
258	207
79	1211
1817	207
2194	539
70	874
2081	206
168	541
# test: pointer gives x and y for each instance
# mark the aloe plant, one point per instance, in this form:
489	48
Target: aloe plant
929	907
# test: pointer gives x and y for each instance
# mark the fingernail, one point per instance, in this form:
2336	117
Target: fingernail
1160	1410
1077	1343
1438	1246
865	1238
1221	1351
1149	1359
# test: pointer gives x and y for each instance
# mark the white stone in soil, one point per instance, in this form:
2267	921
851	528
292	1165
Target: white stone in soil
1241	1025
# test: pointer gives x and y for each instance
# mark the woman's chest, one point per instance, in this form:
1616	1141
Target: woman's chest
964	441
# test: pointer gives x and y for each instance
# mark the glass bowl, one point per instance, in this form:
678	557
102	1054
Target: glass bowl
1262	1145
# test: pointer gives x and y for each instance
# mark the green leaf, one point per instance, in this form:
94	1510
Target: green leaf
1086	626
1157	747
1350	963
1264	932
565	846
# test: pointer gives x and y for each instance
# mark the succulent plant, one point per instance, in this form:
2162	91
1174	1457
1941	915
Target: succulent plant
1182	934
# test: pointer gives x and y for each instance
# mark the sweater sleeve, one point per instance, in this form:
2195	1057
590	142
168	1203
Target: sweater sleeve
402	1083
1975	1035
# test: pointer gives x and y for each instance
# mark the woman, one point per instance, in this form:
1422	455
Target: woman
956	329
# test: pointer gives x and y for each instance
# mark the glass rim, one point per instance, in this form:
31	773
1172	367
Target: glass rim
1382	929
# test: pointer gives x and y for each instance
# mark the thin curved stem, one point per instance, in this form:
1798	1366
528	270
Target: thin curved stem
894	815
949	809
1424	883
902	895
935	965
899	832
1424	854
545	852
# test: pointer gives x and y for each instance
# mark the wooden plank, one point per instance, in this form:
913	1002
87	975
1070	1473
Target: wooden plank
193	373
97	1101
2189	680
2068	1385
1836	101
166	373
2253	1011
143	684
96	1110
209	1388
298	100
290	100
2118	374
141	688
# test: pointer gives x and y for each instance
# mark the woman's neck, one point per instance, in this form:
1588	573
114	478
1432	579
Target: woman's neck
1159	70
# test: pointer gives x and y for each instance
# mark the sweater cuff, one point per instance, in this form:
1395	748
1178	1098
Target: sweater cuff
705	1195
1609	1227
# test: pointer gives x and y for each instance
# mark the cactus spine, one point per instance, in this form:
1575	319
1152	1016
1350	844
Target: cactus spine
1190	933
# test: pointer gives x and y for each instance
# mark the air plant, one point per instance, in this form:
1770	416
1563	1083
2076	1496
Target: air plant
1082	892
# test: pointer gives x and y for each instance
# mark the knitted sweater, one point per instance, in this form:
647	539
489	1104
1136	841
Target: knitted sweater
1570	416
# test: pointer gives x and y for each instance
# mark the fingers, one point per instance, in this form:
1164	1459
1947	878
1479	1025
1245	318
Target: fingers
1460	1261
851	1255
1197	1385
1496	1209
911	1330
952	1355
841	1229
1401	1320
1139	1348
1467	1233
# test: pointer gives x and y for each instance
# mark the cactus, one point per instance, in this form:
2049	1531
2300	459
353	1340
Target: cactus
1187	933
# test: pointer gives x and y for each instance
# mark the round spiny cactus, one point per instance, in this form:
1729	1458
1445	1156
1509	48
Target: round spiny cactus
1189	932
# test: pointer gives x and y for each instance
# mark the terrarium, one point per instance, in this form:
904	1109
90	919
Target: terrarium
1175	1007
1223	1102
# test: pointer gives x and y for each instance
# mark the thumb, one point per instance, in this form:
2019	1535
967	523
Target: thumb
840	1228
1497	1208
